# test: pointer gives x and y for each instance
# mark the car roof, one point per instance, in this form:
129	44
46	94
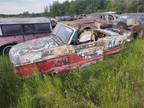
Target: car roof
24	20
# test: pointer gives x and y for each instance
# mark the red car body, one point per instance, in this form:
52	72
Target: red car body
60	52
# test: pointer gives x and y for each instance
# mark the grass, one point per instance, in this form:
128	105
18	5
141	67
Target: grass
117	82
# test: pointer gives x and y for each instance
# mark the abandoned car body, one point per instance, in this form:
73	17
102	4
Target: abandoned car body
65	49
96	20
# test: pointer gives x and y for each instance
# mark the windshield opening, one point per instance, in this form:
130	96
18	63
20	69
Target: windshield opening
63	32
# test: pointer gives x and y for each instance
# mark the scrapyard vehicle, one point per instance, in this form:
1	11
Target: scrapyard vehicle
96	20
105	16
65	49
16	30
134	22
131	18
138	31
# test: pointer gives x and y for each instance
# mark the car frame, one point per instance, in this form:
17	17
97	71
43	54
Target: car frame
53	55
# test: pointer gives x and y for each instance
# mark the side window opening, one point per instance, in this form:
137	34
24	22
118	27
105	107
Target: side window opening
28	28
0	31
42	28
110	17
15	29
101	17
99	34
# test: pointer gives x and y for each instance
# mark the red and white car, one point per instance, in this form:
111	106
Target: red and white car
65	49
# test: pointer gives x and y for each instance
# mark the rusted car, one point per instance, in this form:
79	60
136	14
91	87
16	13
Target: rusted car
134	22
96	20
138	31
65	49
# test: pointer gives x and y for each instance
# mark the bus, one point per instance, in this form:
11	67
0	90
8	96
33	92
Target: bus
16	30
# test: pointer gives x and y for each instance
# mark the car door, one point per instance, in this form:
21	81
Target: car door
87	50
113	44
85	54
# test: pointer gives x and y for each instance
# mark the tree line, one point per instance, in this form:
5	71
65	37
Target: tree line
90	6
77	7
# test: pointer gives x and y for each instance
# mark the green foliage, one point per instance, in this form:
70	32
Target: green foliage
90	6
9	84
77	7
116	82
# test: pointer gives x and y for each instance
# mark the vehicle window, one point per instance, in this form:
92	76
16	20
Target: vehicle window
99	34
12	29
110	17
63	32
41	28
74	40
28	29
0	32
102	17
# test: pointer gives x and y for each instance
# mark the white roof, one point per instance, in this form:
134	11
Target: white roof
24	20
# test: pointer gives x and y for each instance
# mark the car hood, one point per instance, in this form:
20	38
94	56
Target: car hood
33	51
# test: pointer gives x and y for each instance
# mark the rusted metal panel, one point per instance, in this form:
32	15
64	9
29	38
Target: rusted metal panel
51	54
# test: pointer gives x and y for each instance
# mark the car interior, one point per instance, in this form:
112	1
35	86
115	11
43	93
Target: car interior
86	36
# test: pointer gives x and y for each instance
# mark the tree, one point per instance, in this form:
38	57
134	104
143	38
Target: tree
46	11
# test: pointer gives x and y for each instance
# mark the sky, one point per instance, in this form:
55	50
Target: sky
19	6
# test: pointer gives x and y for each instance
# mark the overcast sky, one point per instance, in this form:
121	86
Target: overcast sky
19	6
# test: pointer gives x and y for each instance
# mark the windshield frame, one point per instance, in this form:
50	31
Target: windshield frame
70	36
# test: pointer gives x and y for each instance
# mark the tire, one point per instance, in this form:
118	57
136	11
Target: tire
6	49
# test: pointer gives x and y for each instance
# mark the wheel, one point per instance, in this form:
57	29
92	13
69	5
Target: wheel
6	49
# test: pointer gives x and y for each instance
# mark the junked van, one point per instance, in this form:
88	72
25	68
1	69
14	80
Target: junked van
16	30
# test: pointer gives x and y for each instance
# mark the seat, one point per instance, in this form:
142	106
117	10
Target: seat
86	36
